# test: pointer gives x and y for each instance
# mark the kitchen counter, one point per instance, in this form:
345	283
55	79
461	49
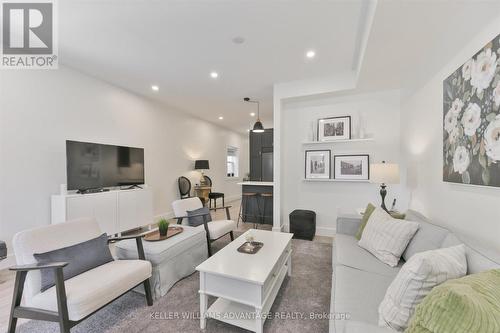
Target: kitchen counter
257	205
256	183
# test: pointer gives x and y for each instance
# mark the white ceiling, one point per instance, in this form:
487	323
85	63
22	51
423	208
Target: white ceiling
410	41
176	44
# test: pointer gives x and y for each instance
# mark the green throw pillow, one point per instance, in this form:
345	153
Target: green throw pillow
465	305
368	211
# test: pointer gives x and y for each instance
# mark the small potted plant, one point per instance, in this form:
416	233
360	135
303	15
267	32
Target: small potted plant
163	227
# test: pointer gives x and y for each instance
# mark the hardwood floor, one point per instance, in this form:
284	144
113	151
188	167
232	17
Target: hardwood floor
7	277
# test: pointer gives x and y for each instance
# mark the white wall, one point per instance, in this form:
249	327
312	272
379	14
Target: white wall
39	110
475	211
380	113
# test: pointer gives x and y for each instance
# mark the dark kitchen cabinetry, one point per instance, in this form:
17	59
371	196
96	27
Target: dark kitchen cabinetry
261	156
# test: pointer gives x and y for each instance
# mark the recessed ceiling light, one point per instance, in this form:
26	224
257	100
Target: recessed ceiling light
310	54
155	88
238	40
221	117
252	114
214	75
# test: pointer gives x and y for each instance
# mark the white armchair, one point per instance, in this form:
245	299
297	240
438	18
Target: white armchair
213	229
70	301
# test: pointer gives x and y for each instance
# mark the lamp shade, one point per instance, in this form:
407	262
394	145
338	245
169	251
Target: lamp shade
258	127
201	165
386	173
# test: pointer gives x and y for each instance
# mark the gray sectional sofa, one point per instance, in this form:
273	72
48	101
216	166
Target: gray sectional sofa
360	280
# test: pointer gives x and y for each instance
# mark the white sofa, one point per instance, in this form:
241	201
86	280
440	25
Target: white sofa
76	298
360	280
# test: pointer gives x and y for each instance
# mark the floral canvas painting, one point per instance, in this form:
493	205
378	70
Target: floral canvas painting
471	118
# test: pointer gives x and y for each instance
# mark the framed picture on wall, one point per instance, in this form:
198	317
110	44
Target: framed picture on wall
334	128
351	167
317	164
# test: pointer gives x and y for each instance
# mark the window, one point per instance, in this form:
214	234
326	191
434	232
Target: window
232	162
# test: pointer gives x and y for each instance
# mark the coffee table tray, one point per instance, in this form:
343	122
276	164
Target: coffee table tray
154	236
250	247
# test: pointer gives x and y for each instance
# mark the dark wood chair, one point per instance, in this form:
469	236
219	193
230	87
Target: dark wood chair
184	187
213	195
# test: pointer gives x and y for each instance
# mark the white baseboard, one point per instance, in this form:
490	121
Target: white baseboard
320	231
279	229
325	231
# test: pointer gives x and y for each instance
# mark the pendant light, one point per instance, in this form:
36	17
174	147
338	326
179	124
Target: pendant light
257	127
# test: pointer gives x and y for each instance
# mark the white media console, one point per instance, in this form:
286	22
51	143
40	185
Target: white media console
115	211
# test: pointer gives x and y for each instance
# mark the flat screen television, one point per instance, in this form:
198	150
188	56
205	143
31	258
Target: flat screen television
94	165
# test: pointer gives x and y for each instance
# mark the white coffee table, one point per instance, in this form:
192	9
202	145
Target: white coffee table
245	284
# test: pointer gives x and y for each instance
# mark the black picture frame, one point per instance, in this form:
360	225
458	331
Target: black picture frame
329	152
352	155
348	118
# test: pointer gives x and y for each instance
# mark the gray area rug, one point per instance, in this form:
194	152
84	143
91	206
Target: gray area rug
305	293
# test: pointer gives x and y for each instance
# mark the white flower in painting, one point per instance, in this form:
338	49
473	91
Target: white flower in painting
461	159
457	106
492	139
483	69
450	121
471	119
453	135
496	94
466	68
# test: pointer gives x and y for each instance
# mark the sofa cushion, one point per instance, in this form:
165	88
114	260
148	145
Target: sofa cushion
415	280
220	228
386	237
80	257
348	253
428	237
358	294
479	257
93	289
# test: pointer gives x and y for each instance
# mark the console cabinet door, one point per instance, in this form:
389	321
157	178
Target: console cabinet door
134	209
102	207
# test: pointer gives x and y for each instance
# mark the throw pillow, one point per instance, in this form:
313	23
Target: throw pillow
385	237
195	221
366	215
80	257
465	305
415	280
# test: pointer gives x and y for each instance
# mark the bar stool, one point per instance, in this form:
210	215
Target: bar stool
265	197
246	199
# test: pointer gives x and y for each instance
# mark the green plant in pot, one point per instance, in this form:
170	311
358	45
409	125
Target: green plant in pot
163	227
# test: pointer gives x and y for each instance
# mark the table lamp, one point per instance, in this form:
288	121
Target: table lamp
201	165
383	174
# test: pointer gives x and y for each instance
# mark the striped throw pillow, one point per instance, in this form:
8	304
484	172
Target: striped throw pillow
387	238
415	280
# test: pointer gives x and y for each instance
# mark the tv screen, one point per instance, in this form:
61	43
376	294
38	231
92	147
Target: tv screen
94	165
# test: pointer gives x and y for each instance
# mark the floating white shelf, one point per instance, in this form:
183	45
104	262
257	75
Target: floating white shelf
336	180
337	141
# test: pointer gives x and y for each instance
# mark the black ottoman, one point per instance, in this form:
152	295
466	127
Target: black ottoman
303	224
